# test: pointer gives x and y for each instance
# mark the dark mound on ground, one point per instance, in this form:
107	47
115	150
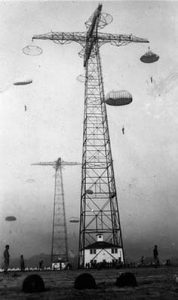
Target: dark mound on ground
33	284
126	279
85	281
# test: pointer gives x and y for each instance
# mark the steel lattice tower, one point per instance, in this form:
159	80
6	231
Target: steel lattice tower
59	245
99	212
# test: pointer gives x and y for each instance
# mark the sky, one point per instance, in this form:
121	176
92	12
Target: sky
145	157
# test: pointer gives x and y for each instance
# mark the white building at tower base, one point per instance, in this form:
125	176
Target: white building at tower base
102	252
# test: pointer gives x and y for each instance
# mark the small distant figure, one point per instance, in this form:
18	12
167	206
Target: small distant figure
6	258
142	260
168	262
123	130
41	265
22	263
25	107
68	266
155	255
151	78
119	263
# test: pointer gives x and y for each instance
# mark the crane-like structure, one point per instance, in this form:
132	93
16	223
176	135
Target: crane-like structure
99	212
59	245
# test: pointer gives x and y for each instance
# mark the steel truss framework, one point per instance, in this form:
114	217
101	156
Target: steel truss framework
99	212
59	245
99	209
59	248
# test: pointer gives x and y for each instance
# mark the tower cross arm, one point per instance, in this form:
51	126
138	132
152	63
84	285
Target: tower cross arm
62	37
119	39
44	164
68	163
57	163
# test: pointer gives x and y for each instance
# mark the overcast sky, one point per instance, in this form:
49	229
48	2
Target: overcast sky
145	157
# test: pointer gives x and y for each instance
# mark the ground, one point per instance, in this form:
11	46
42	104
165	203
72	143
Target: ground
153	283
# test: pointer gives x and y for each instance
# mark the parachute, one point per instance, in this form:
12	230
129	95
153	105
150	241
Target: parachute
90	192
118	98
74	220
25	82
149	57
10	218
32	50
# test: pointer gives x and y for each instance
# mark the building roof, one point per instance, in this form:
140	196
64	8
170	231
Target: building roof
101	245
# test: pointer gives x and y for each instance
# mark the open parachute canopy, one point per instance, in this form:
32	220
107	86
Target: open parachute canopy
118	98
32	50
10	218
74	220
23	82
90	192
149	57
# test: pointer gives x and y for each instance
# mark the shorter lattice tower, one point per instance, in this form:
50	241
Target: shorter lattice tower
59	245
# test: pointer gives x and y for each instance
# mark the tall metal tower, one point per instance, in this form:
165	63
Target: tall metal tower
59	245
99	212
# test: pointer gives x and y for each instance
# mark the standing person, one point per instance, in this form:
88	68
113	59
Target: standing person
41	266
6	258
155	255
142	260
22	263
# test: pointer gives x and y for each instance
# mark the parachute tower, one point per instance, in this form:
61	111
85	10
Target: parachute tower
99	211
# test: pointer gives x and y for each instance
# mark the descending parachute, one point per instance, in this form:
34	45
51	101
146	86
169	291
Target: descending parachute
90	192
16	83
74	220
32	50
149	57
25	82
118	98
10	218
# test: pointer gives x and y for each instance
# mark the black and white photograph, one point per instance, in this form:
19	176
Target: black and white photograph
88	150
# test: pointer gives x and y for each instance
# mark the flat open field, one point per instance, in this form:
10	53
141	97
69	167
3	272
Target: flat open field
153	283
